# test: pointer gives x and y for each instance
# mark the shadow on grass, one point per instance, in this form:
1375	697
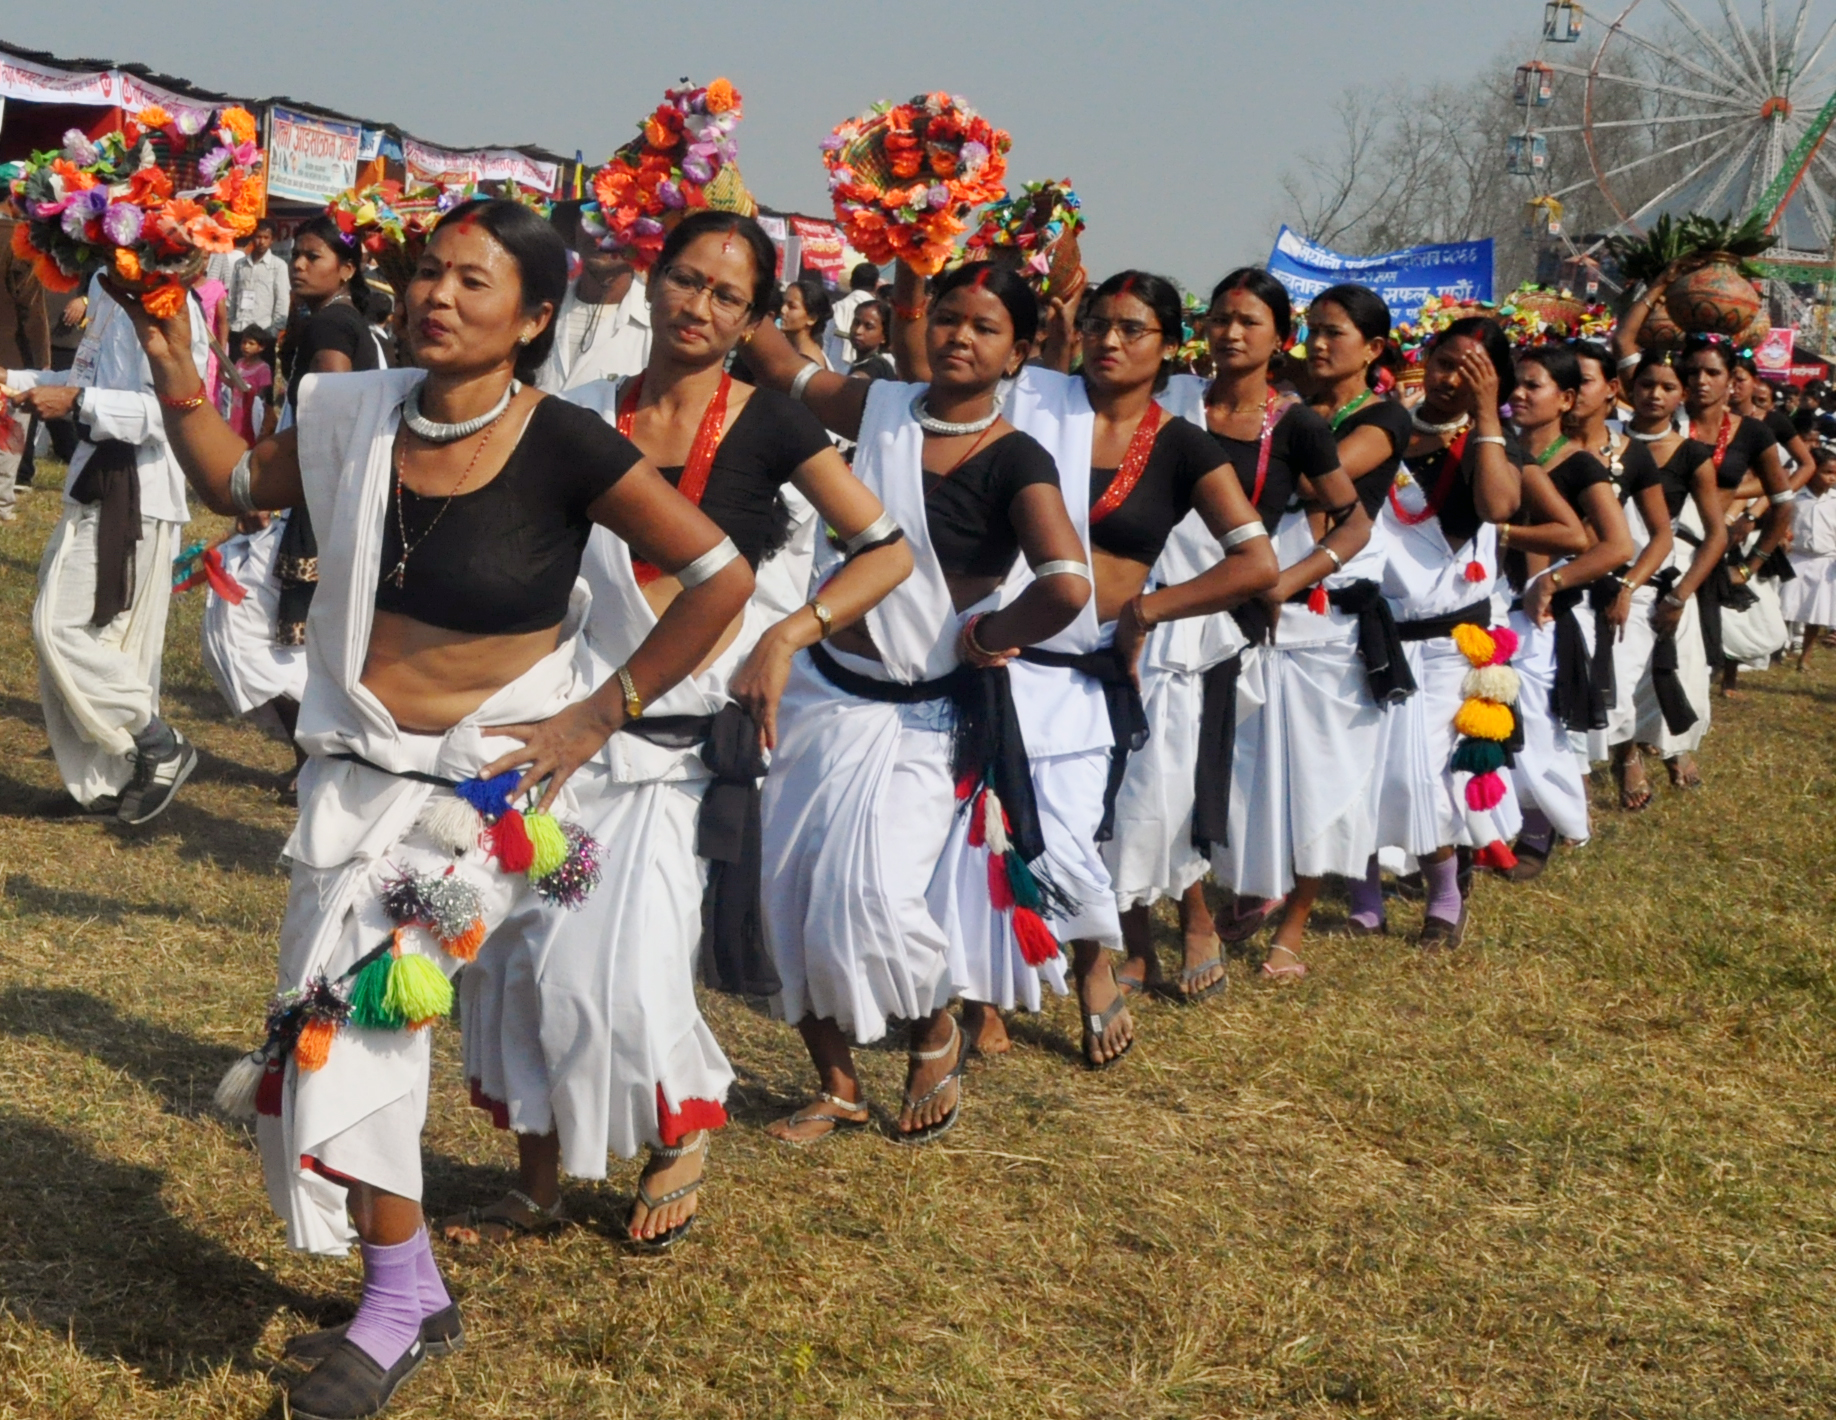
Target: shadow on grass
204	837
89	1250
38	899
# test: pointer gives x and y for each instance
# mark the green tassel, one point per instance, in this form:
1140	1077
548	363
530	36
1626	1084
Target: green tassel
418	991
1477	756
370	997
548	841
1021	880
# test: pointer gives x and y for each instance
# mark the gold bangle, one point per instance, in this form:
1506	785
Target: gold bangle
190	402
634	703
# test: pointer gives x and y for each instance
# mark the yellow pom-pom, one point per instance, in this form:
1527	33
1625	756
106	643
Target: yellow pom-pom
418	990
1475	643
1484	720
548	841
1498	683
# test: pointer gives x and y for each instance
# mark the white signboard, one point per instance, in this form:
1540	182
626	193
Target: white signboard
310	159
427	163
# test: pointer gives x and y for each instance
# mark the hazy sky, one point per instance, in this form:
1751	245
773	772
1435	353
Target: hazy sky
1173	119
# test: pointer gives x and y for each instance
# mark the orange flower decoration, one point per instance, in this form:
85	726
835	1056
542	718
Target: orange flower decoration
127	264
163	302
153	116
22	243
149	188
240	122
75	179
52	276
721	96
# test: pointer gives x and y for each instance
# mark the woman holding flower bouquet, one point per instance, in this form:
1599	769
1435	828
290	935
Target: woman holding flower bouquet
445	715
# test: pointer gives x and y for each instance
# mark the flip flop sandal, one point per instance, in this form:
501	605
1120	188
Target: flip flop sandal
1096	1026
959	1043
1439	935
442	1334
547	1220
838	1123
1352	927
1245	925
1190	974
349	1384
1681	780
669	1237
1289	971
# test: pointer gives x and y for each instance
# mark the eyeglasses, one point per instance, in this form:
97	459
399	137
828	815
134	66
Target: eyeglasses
1095	328
723	300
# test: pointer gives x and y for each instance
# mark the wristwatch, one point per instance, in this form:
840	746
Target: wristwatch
825	617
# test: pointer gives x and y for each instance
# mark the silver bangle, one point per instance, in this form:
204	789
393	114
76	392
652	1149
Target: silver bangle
1237	536
878	530
708	564
241	496
802	381
1497	439
1777	498
1338	562
1062	567
1627	361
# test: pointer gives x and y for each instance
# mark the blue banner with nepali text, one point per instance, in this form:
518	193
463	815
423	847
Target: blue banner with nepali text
1403	278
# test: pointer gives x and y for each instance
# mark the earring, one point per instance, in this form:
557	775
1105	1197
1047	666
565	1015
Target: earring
522	340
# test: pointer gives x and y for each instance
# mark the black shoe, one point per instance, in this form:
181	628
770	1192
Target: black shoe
156	781
441	1334
349	1385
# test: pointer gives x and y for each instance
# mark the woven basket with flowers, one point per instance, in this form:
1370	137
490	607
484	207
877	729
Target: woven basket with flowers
1036	233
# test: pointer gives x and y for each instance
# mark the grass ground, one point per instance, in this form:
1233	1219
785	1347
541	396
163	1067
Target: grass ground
1583	1168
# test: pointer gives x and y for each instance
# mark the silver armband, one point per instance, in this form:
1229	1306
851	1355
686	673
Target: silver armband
1627	362
879	530
241	498
802	381
1062	567
1777	498
1338	562
709	563
1237	536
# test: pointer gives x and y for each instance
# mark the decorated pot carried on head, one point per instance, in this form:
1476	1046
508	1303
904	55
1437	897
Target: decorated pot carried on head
1559	313
683	158
1712	291
1035	233
904	177
105	204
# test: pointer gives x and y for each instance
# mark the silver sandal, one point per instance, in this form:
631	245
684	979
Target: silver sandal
959	1045
670	1237
810	1114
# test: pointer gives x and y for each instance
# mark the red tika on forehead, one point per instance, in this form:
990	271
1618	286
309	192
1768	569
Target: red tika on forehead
980	279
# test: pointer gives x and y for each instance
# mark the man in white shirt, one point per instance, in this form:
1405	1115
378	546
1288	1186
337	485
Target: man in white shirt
259	291
105	581
862	281
603	328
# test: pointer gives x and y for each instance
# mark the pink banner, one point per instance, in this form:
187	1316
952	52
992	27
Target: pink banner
822	245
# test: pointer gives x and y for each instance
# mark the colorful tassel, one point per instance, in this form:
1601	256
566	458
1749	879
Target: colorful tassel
1477	757
450	905
1493	682
965	787
1484	791
313	1048
490	797
1000	890
977	822
994	823
417	990
1475	572
452	824
573	882
1475	643
547	844
1504	645
268	1096
370	997
241	1083
402	901
1037	944
1025	886
510	841
1495	855
464	947
1484	720
1318	602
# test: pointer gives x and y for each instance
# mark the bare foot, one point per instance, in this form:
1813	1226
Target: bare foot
667	1171
986	1030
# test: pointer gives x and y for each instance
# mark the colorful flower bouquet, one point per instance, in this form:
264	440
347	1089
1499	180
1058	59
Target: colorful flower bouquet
903	176
1036	232
392	223
106	204
683	158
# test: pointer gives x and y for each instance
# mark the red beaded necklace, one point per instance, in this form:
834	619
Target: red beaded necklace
1450	471
694	481
1728	420
1134	463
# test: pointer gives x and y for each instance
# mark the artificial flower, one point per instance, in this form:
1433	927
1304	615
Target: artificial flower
239	123
78	148
153	116
164	301
127	264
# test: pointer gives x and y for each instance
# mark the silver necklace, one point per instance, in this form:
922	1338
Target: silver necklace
943	427
1425	427
1663	433
434	432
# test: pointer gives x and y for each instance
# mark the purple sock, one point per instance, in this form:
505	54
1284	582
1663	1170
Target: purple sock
1442	880
1367	898
1537	831
388	1320
434	1296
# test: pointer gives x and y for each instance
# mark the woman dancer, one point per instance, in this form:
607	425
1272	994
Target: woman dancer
804	317
1078	705
1461	477
432	653
868	335
582	1033
862	793
1550	557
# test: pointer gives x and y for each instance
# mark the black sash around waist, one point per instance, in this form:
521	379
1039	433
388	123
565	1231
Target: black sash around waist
1433	628
1379	644
1582	696
110	482
1127	715
1666	684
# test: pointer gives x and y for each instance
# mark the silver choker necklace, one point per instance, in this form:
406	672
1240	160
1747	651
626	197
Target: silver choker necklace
1427	428
435	432
1663	433
943	427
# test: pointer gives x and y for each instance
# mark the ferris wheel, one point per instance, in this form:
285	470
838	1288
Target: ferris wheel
1719	108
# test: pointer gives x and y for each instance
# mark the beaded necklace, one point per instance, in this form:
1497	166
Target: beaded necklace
694	481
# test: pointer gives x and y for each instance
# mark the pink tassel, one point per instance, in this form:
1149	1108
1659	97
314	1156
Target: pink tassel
1000	891
1037	944
1504	642
1317	601
1484	791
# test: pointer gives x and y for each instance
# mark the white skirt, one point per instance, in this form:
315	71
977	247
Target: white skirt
238	646
585	1022
1635	714
1810	597
1547	772
1151	855
856	811
1421	802
1302	795
1750	638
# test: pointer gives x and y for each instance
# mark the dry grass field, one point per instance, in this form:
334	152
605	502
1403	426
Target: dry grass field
1583	1168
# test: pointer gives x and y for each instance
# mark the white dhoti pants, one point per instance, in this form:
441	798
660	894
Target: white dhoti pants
250	670
99	684
1547	772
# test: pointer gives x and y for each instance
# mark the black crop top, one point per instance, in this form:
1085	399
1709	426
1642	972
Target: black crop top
1576	474
770	439
967	512
1639	471
1394	421
1139	526
1302	447
502	558
1750	439
336	326
1459	515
